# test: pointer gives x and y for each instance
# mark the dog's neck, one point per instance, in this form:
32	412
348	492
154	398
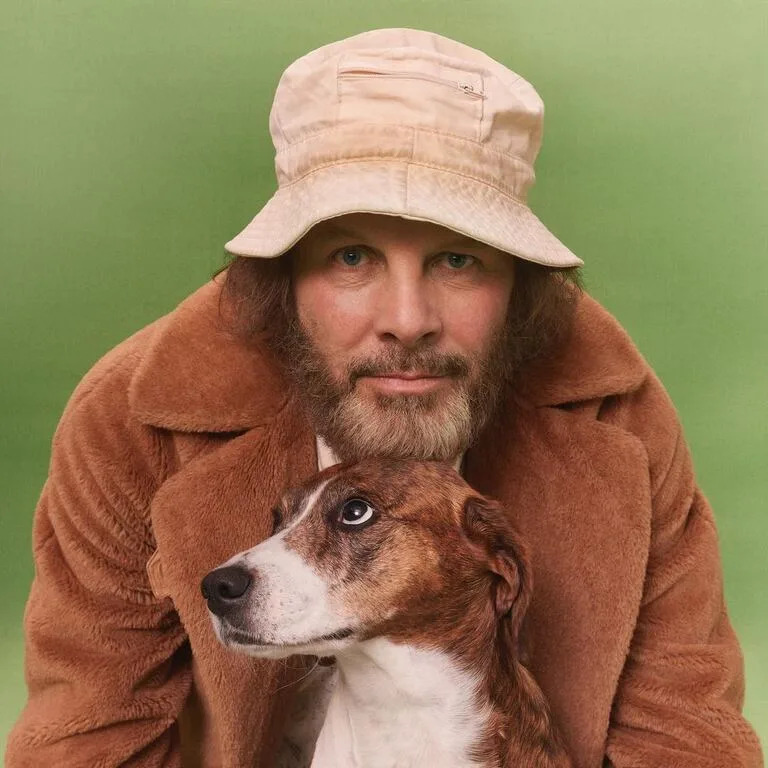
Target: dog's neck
397	705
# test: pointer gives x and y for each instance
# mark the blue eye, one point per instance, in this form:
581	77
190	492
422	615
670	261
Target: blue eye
457	260
350	256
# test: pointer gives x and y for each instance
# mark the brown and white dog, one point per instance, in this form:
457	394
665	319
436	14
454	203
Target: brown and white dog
417	586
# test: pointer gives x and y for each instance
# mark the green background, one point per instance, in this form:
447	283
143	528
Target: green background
134	143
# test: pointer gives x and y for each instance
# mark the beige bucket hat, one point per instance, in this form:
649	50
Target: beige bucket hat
406	123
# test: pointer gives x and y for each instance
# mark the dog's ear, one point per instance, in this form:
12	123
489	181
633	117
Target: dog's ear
487	525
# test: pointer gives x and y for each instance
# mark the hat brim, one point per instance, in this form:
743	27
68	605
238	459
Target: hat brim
399	188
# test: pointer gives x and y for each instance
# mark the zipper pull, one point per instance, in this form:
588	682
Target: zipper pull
469	89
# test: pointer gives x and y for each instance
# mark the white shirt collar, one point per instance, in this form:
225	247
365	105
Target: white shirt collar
327	458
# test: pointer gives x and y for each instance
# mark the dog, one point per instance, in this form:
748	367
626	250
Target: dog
417	586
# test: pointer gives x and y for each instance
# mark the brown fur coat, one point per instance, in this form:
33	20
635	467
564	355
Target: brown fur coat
167	461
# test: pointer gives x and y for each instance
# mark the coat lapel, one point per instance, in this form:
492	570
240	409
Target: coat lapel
578	490
215	506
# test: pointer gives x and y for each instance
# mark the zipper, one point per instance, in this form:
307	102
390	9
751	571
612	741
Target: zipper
467	88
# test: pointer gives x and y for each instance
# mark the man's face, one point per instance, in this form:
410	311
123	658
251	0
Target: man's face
400	342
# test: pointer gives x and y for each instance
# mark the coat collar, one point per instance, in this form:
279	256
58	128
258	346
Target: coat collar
195	376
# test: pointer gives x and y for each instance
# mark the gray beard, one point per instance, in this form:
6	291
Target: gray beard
431	426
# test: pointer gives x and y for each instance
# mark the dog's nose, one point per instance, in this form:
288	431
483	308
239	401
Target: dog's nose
225	588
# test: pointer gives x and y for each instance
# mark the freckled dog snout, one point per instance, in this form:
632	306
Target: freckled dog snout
225	589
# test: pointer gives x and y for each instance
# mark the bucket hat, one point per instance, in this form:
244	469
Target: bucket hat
407	123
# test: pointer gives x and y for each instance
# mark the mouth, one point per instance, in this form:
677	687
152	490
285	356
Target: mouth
241	637
406	383
408	375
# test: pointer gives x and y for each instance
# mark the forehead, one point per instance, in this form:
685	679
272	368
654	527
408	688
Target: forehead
401	488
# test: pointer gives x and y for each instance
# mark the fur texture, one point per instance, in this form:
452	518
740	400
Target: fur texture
169	458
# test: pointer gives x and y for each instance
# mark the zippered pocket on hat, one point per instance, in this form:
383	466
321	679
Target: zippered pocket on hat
354	72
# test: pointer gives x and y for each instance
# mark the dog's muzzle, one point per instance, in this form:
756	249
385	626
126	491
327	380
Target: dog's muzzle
226	590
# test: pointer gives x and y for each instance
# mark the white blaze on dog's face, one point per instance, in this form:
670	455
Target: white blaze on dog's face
289	608
378	548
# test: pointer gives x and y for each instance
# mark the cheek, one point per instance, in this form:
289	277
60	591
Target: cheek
400	575
336	320
470	324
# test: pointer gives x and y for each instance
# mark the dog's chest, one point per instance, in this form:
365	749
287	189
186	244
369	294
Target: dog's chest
391	706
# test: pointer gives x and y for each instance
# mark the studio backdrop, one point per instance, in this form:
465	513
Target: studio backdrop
134	143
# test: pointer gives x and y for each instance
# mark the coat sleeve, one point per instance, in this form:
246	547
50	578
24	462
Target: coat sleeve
107	664
681	692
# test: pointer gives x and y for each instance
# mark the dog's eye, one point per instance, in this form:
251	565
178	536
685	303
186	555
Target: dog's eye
356	512
277	520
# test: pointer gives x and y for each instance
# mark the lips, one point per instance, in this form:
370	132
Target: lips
405	383
406	376
241	637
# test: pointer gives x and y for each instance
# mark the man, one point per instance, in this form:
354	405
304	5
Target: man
396	296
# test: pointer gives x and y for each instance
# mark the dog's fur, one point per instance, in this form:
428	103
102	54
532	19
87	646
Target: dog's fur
421	605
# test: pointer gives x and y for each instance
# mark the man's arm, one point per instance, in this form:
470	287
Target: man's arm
106	662
682	688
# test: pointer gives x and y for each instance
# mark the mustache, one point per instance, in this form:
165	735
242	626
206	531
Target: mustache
404	360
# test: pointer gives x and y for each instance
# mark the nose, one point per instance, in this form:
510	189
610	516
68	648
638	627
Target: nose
406	310
226	588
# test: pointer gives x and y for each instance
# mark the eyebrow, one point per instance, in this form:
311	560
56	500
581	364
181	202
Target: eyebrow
334	230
